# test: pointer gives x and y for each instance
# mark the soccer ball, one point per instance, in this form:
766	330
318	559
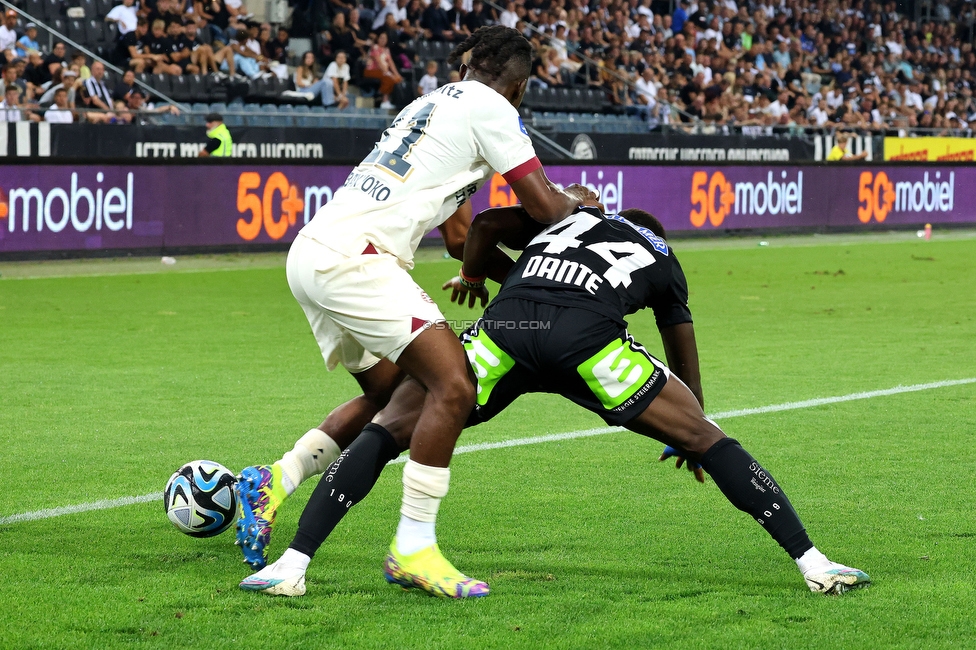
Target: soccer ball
200	498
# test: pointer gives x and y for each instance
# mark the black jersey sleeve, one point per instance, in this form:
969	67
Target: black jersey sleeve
670	304
212	145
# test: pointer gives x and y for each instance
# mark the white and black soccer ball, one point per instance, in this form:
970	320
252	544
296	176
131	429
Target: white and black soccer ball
200	498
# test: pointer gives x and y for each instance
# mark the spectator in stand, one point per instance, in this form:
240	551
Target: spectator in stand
11	77
64	78
456	16
122	89
12	109
125	16
307	72
59	112
429	83
238	57
132	50
35	72
436	24
509	18
180	53
271	64
331	90
380	66
213	15
80	63
161	50
95	94
8	36
201	54
396	8
27	43
478	17
338	75
277	52
545	73
56	59
341	37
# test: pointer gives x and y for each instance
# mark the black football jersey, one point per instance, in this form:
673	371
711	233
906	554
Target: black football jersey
603	263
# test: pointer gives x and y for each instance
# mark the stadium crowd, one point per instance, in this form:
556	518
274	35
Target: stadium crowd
761	63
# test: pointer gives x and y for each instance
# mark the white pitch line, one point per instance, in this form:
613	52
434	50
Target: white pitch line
519	442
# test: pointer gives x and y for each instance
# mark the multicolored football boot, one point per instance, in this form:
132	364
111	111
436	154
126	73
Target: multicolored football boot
427	569
259	492
835	579
276	580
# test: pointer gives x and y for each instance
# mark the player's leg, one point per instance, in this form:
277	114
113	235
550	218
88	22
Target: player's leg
262	488
436	360
499	382
675	418
346	482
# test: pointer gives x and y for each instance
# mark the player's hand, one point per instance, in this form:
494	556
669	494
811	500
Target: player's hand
586	196
695	468
460	292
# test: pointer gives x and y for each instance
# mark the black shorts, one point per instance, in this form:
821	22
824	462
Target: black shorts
520	346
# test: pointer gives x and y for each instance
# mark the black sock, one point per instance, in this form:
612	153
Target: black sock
345	483
751	489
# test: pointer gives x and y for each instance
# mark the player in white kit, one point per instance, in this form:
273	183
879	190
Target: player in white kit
348	269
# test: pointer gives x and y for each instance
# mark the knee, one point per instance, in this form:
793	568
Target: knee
702	436
378	398
459	394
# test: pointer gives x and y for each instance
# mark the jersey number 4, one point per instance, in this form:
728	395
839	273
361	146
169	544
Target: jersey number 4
624	257
394	161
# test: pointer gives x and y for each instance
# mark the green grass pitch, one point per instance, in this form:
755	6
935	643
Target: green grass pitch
111	377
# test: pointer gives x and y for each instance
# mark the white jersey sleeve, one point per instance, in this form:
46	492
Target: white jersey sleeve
437	152
503	141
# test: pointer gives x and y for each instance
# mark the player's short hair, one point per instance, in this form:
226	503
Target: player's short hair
499	52
645	219
213	117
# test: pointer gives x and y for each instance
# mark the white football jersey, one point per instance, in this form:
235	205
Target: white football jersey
439	150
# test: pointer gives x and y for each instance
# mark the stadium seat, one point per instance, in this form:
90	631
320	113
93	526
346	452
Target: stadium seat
111	33
216	91
318	109
259	90
95	30
302	108
76	31
198	86
58	24
35	8
162	84
220	107
281	121
88	6
278	86
198	107
424	51
181	88
531	99
102	7
53	9
234	120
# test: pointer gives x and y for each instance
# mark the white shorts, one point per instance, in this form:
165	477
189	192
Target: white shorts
361	309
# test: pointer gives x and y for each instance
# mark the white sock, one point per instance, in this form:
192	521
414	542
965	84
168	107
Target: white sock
423	488
811	560
293	560
312	455
413	535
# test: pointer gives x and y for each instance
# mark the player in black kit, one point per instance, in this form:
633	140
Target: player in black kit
558	326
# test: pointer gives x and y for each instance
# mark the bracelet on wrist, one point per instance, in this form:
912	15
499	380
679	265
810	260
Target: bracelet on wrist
469	282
